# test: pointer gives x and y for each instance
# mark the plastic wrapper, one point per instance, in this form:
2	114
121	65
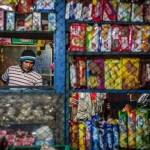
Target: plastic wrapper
145	74
115	129
73	74
84	107
24	6
1	19
130	73
36	21
109	11
136	38
77	37
142	134
106	37
51	21
95	132
101	136
95	74
82	134
108	136
145	46
113	74
81	72
86	10
124	12
45	5
123	140
74	134
88	135
92	38
10	21
146	13
121	38
137	12
97	9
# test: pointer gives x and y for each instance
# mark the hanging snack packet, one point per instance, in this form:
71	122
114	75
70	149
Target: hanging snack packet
101	136
115	129
108	12
88	134
78	9
82	135
108	136
124	12
106	38
1	19
137	12
142	134
36	21
145	47
92	38
77	37
97	10
123	140
73	134
136	38
95	74
10	21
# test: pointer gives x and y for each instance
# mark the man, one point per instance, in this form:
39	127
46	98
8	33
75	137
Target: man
23	74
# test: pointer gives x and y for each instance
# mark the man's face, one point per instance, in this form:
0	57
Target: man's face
27	65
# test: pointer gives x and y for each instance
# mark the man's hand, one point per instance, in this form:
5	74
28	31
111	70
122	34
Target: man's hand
1	83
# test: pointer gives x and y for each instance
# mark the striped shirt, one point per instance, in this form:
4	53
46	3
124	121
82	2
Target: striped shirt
15	76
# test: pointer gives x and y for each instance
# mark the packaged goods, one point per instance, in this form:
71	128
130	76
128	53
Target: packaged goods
123	140
130	72
95	74
105	35
82	134
92	38
77	37
142	134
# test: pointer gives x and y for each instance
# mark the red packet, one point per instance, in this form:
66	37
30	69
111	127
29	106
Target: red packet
77	37
108	12
97	10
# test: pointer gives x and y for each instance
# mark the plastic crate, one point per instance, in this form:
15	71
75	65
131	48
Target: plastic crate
58	147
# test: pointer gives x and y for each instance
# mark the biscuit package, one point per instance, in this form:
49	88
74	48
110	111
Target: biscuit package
92	38
137	12
145	47
130	73
86	10
113	74
95	74
106	38
77	37
145	74
146	13
109	13
136	38
124	12
81	72
121	38
142	139
97	9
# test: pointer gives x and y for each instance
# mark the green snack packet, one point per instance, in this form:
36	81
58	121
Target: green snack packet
142	139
